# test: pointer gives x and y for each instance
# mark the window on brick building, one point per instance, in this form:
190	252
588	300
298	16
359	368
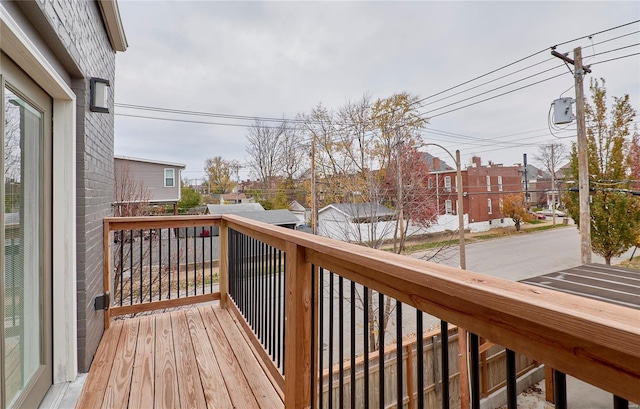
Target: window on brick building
500	183
448	206
447	183
489	208
488	183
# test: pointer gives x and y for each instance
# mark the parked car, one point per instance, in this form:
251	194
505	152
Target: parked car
549	212
538	216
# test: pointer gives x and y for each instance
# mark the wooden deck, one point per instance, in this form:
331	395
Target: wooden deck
193	358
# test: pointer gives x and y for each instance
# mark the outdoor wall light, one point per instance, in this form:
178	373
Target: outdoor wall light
99	95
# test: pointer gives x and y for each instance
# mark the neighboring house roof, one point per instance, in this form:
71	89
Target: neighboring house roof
295	206
228	197
216	209
360	209
156	162
255	211
429	160
279	217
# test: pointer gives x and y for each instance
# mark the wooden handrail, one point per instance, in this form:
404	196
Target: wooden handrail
591	340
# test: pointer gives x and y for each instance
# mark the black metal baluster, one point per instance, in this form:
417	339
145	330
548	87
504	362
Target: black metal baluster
195	260
278	310
140	266
211	258
169	263
365	332
444	355
186	261
121	265
159	264
254	285
284	311
353	345
381	349
321	339
399	355
512	392
330	364
250	260
262	297
178	263
243	266
150	266
131	267
619	403
560	389
203	266
474	344
312	348
341	340
269	301
420	358
274	301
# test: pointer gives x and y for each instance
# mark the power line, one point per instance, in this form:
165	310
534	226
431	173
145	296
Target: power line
614	59
499	95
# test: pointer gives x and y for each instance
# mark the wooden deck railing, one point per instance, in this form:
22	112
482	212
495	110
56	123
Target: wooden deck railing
590	340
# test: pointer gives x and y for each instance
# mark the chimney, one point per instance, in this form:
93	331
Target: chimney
436	163
477	162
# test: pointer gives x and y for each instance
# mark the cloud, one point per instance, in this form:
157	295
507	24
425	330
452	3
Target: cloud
282	58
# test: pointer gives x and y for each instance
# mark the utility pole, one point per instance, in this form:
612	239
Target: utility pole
463	256
553	183
583	153
314	192
526	181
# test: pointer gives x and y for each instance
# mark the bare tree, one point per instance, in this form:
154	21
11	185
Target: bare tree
550	157
264	149
131	195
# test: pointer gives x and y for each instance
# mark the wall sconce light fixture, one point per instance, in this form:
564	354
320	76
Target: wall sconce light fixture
99	95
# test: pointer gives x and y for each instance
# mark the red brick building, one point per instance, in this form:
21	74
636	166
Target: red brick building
484	187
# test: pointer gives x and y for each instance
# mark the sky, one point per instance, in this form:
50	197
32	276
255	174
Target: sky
280	59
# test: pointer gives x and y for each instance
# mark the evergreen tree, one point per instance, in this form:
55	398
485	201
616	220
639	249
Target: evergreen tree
615	214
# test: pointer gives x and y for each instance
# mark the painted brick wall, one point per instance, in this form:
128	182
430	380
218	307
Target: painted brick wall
80	27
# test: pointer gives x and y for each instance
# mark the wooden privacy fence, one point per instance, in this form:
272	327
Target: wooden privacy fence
492	373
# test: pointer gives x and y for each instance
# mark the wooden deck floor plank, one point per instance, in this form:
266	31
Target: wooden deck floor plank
237	384
117	392
189	383
96	384
166	377
260	384
143	377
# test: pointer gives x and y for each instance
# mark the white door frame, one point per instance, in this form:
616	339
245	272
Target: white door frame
17	45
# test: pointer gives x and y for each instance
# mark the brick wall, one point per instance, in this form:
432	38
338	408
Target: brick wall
80	28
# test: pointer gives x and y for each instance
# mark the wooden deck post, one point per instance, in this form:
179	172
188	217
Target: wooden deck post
297	343
223	264
549	393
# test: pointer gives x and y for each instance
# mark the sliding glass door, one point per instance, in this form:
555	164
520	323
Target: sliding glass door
25	283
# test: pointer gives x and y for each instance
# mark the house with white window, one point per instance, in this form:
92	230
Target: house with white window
160	181
356	222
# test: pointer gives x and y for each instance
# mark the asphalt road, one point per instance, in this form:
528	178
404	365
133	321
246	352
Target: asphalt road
521	256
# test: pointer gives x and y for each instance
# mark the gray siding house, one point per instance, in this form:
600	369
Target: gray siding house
57	71
161	180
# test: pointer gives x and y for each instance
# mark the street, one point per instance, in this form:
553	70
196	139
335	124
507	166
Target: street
525	255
